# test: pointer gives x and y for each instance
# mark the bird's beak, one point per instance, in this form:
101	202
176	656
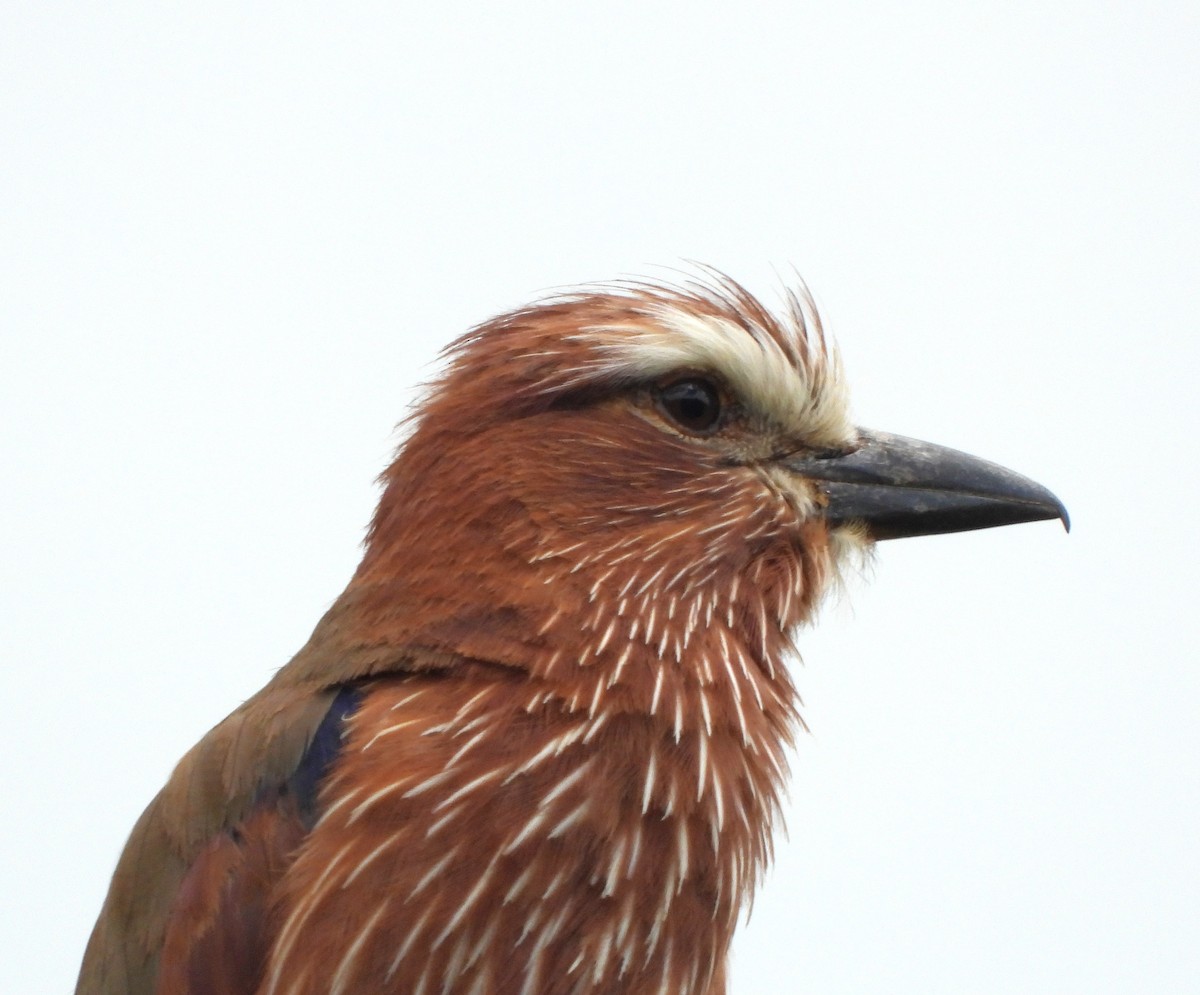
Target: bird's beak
902	487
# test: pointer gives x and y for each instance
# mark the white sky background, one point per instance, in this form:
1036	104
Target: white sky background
232	238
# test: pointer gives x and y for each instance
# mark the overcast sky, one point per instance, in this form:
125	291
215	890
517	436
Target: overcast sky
234	236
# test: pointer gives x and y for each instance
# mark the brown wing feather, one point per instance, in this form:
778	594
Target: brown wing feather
211	789
215	784
218	935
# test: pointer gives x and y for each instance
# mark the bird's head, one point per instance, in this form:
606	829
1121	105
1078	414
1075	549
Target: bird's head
625	463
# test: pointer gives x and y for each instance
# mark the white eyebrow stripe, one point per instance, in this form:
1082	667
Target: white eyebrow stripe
809	394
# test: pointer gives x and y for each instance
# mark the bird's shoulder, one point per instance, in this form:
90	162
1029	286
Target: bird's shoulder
199	868
220	830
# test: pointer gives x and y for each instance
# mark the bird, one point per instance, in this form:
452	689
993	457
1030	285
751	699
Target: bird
538	744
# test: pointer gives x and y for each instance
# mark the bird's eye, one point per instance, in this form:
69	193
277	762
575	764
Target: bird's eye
693	404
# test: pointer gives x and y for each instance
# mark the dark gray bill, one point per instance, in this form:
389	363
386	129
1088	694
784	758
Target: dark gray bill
903	487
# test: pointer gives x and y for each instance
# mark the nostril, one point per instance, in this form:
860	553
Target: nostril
830	452
809	454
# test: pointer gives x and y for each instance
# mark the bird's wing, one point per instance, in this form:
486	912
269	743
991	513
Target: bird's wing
198	867
235	806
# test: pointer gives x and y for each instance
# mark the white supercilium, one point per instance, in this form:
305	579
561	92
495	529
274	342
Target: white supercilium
800	389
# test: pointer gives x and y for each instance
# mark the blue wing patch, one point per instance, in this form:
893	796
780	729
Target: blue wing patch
305	784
